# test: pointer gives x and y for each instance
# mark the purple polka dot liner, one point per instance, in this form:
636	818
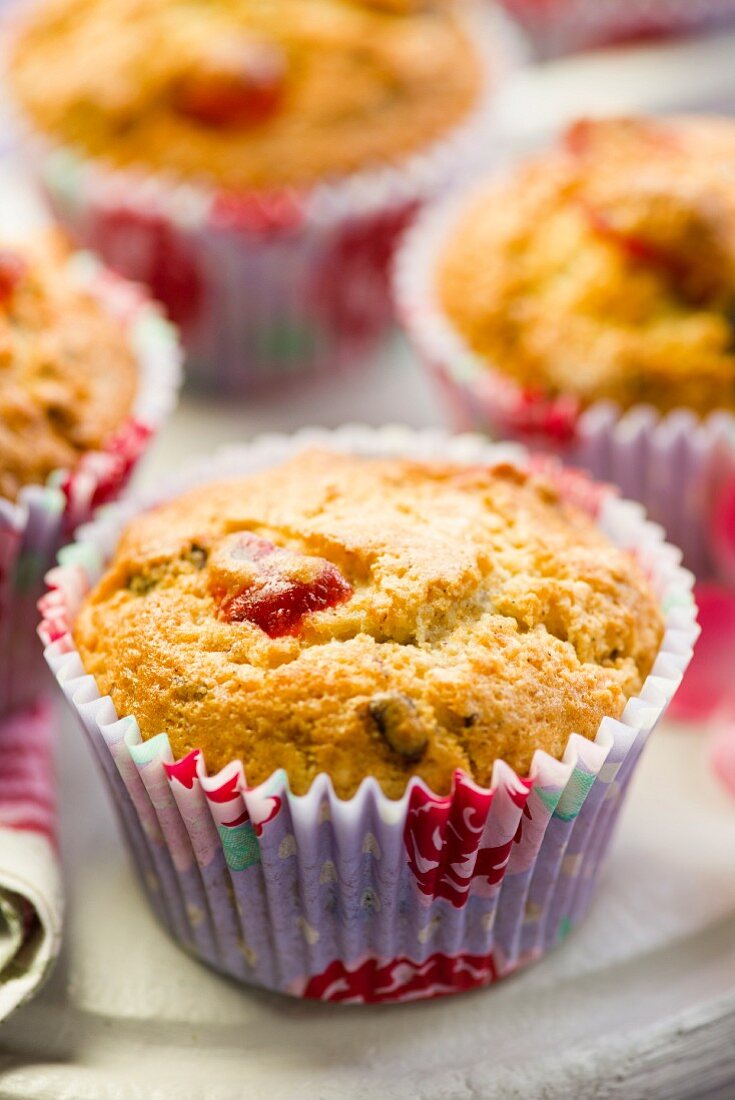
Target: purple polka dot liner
370	899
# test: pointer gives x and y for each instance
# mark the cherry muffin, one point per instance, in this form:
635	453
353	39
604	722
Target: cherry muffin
88	368
383	619
304	133
377	709
248	95
56	403
592	290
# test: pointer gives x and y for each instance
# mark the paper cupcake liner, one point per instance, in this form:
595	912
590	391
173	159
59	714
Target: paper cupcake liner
369	899
561	26
266	286
681	467
33	528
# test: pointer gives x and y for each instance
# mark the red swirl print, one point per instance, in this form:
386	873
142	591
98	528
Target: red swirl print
148	248
101	475
536	414
443	840
401	979
228	794
351	291
268	215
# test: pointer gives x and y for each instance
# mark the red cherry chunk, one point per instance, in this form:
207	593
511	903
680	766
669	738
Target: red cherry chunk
595	138
238	85
12	270
636	248
282	589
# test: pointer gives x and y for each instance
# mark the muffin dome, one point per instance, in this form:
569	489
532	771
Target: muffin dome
246	93
369	618
68	378
605	268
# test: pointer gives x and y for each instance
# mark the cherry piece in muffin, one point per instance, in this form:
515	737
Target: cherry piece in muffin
364	617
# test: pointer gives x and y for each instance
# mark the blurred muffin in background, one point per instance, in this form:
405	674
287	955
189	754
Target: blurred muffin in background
606	267
88	369
56	403
586	298
307	132
249	95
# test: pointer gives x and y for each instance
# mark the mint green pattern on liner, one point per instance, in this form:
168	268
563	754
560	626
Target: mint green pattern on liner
151	325
62	173
549	796
274	785
82	554
53	500
284	342
240	846
677	599
146	752
28	570
575	792
465	369
565	927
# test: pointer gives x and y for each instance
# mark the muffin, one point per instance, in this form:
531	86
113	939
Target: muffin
359	618
305	131
55	402
592	287
250	96
393	684
88	369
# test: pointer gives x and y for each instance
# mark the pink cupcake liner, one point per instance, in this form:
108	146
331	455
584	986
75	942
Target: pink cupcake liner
369	899
265	286
34	527
681	467
562	26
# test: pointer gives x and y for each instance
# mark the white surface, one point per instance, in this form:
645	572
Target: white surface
639	1002
695	76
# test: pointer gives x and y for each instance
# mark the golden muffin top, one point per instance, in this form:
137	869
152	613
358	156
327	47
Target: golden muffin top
605	267
68	377
362	617
247	94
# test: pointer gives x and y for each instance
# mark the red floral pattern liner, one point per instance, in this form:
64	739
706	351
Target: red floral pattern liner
401	979
443	839
371	900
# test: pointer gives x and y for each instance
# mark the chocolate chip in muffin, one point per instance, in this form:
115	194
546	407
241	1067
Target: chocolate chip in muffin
140	584
446	655
399	724
197	556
